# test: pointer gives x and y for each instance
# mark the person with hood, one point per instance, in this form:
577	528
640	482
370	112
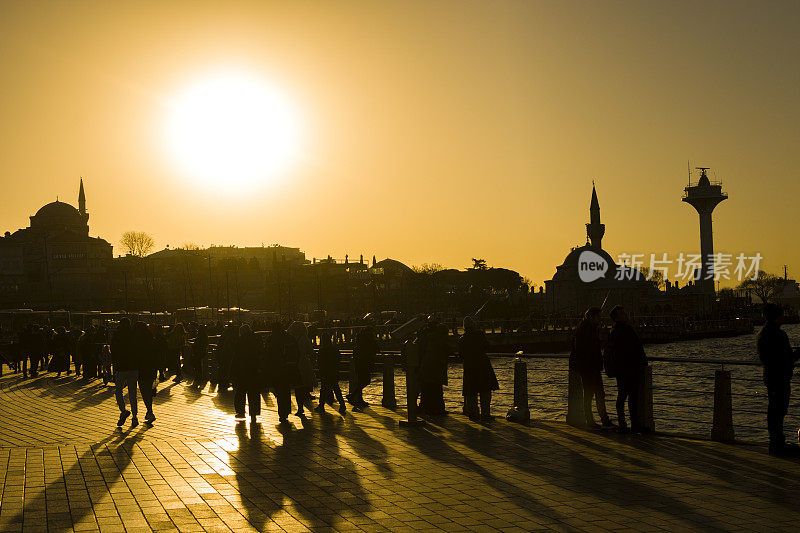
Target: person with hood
587	360
147	365
479	376
365	350
247	373
126	370
282	355
329	361
305	368
433	369
625	359
776	354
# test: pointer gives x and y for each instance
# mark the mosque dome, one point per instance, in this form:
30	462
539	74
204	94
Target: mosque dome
58	210
58	216
569	270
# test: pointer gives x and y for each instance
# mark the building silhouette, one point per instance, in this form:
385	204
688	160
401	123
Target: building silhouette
54	263
568	295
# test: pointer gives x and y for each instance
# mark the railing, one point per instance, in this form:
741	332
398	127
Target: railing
684	391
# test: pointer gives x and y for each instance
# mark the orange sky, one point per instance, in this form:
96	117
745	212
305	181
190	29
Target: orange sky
433	131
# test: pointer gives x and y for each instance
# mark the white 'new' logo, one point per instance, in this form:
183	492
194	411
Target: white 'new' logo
591	266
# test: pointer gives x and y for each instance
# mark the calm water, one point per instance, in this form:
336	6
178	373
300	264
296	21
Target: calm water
682	392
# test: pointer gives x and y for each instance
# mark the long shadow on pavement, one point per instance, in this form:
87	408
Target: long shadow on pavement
307	472
98	458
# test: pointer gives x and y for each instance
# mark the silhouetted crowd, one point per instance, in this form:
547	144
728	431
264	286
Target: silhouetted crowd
293	361
282	360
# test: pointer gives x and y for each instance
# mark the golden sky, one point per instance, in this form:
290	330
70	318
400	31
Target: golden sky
431	131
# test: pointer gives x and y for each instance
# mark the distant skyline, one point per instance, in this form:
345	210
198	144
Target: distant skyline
429	132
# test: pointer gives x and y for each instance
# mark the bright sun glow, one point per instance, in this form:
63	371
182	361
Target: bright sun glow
232	131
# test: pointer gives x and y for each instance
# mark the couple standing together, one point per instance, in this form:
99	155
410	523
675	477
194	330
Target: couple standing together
624	359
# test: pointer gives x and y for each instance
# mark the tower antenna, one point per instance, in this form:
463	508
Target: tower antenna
689	168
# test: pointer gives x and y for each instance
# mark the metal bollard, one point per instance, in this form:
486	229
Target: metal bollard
520	412
389	401
575	415
646	421
722	430
412	391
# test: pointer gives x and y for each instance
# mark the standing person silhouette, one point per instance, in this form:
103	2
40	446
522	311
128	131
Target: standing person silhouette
126	372
778	358
626	359
247	373
479	376
226	349
59	347
176	340
329	361
282	355
199	352
305	369
587	359
433	368
365	350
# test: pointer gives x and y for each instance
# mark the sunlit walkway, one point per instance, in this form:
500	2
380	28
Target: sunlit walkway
65	466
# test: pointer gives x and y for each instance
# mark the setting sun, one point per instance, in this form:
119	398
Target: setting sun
232	131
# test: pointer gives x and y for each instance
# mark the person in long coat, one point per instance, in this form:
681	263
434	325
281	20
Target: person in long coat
305	368
365	350
479	376
87	352
433	369
59	347
329	361
247	373
226	349
147	365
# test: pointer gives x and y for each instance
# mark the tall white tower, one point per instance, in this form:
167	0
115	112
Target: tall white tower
704	197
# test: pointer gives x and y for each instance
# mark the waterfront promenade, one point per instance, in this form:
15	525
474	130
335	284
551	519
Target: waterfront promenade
64	466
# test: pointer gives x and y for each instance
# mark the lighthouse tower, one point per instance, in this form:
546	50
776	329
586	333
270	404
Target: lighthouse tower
704	197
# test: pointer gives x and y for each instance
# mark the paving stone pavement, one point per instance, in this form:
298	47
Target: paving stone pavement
64	466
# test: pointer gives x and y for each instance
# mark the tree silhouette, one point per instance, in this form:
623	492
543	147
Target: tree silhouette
137	243
766	286
479	264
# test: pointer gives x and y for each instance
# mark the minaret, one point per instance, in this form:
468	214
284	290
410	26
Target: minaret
594	229
704	197
82	201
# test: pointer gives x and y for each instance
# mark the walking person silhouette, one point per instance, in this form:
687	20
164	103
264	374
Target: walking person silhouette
126	372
